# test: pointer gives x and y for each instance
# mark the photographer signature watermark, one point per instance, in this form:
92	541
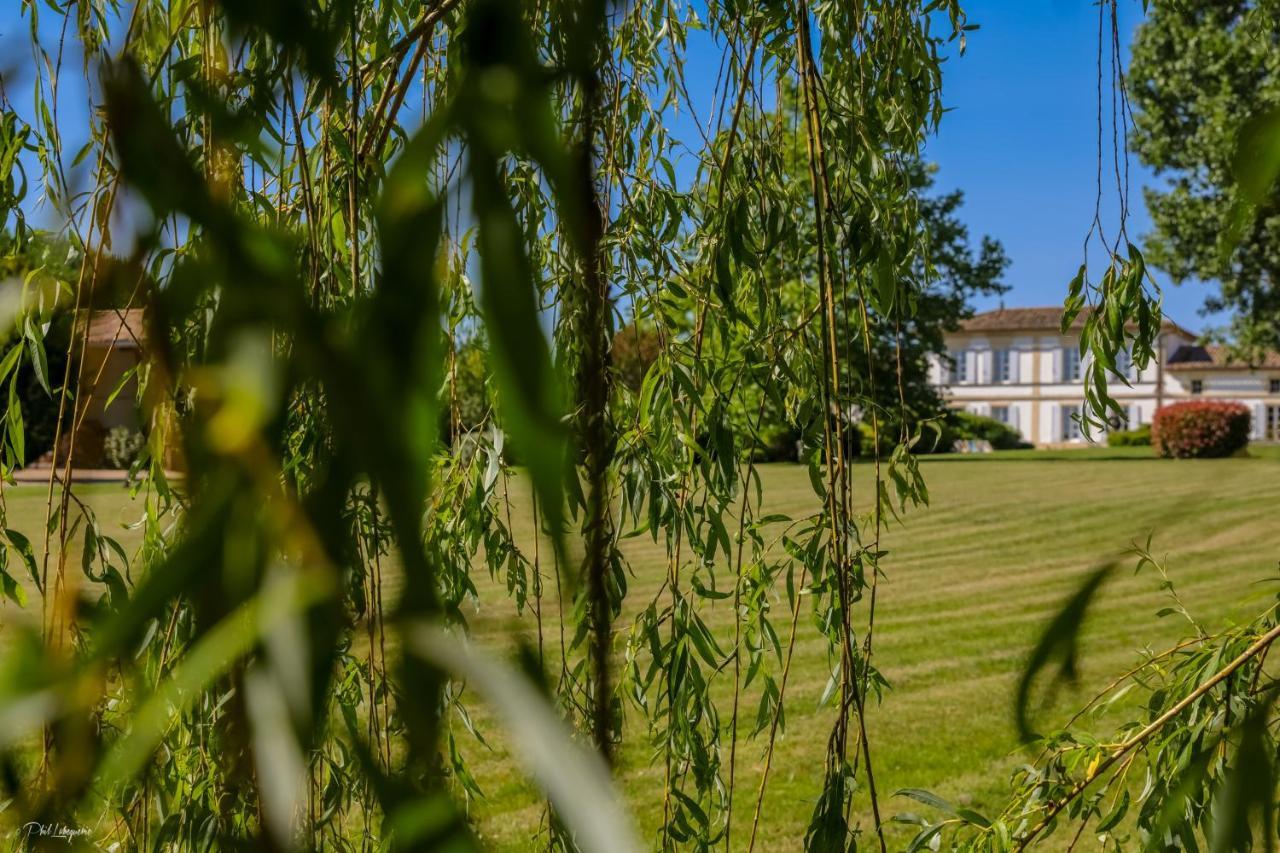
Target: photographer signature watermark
52	831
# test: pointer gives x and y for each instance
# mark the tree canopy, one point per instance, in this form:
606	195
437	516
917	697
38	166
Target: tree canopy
1202	73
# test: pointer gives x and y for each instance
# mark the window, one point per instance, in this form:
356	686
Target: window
1272	432
1001	365
959	367
1275	386
1070	423
1000	413
1125	366
1071	364
1197	386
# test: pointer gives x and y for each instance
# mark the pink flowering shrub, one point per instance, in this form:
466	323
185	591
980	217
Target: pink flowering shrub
1200	429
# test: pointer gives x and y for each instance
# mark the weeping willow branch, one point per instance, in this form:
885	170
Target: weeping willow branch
1257	648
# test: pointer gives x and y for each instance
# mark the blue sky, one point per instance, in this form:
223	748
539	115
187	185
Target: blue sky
1020	138
1021	141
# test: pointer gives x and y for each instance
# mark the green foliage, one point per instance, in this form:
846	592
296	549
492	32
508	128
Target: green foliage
1205	82
779	444
45	265
1200	429
634	350
1139	437
470	404
950	274
960	425
123	446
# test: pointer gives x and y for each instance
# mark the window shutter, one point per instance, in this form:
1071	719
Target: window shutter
1259	421
1013	418
1057	365
1015	366
971	365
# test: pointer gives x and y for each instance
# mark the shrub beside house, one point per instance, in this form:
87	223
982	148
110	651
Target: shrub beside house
1200	429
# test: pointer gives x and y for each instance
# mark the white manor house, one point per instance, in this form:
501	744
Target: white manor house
1014	365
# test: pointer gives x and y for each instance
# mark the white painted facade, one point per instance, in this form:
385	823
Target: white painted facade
1031	378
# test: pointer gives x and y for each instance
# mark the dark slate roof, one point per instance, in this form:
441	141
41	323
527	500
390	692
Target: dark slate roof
1215	357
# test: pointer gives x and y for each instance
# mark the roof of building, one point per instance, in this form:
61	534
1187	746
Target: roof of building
120	328
1215	357
1044	318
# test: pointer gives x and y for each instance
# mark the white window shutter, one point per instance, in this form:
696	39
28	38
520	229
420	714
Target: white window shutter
1015	366
1259	421
1013	418
1057	366
971	366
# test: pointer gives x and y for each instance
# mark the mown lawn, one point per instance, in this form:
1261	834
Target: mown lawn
970	582
25	508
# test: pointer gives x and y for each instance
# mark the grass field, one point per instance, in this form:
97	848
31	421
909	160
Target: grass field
970	582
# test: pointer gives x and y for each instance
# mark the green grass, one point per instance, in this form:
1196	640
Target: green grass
970	582
1092	453
25	508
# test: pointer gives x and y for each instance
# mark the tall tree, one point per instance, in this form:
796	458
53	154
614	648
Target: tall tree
1202	71
949	272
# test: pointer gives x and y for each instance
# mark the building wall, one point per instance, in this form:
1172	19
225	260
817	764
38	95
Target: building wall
1036	397
103	370
1251	388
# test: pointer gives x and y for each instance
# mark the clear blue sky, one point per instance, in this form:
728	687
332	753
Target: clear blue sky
1021	141
1020	138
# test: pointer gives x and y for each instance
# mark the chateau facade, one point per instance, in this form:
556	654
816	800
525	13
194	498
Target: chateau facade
1015	365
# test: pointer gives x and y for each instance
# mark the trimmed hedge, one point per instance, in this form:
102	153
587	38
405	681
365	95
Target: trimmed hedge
1140	437
959	425
1200	429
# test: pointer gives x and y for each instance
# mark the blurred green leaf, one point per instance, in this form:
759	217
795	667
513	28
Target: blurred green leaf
220	647
1246	800
575	779
1257	156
